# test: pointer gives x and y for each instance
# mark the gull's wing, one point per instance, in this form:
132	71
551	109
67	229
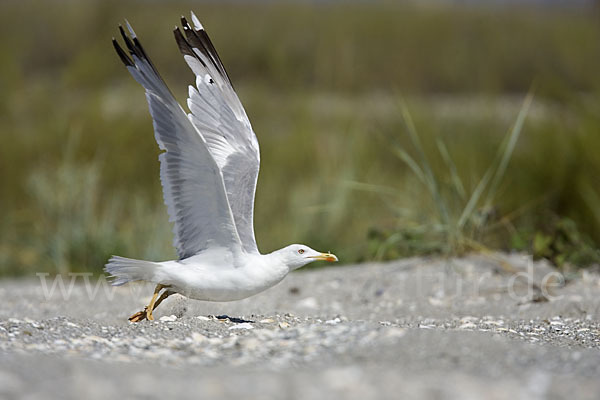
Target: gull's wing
218	114
192	182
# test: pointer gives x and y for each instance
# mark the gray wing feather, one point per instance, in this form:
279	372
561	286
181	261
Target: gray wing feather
218	114
193	186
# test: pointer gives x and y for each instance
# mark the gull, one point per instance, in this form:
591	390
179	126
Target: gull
208	171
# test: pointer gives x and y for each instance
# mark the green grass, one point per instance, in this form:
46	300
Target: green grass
323	89
459	218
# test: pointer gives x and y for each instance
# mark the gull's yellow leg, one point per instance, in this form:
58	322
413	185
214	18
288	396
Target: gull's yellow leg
147	312
150	306
163	296
153	304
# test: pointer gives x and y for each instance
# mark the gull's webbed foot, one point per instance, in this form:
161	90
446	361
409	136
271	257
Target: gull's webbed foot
147	312
139	316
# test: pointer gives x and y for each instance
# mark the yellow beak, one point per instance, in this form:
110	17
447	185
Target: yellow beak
325	257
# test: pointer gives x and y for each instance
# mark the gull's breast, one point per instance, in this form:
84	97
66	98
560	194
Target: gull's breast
206	281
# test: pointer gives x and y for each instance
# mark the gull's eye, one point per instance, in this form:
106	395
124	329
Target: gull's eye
301	251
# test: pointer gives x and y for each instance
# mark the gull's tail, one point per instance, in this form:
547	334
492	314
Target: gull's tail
124	270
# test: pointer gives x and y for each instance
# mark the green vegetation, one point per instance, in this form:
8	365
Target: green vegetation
347	166
459	219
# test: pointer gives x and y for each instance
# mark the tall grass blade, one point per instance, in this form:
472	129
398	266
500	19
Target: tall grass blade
432	183
456	181
510	147
496	170
412	164
385	193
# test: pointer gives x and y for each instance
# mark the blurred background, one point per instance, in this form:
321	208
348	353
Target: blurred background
387	129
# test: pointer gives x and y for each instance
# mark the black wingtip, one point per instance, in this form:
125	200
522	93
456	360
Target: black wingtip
136	55
184	46
122	31
122	55
198	40
127	40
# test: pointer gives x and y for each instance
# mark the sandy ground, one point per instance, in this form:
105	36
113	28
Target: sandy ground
479	327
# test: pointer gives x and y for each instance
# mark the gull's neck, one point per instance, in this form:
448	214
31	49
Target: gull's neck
276	259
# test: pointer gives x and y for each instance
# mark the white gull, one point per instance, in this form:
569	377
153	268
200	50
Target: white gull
208	172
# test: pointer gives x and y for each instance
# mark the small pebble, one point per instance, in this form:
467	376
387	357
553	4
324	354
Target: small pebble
244	325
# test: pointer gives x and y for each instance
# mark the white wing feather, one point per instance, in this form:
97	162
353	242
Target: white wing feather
218	114
193	186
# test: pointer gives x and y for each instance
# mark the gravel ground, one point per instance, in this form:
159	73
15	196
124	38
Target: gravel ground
495	327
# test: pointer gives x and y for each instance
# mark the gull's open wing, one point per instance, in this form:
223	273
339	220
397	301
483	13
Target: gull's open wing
218	114
192	182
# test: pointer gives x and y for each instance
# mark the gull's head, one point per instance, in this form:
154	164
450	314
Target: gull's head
298	255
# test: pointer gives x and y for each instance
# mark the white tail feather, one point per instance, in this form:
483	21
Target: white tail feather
124	270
